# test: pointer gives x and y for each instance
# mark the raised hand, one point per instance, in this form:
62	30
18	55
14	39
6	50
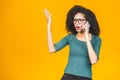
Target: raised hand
48	16
50	41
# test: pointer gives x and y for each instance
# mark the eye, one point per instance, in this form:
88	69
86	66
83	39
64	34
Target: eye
80	20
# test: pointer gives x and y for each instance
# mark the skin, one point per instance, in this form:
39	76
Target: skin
84	36
80	26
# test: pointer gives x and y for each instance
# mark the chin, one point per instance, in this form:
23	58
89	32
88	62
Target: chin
80	31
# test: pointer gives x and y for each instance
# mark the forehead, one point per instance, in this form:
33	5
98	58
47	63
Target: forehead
79	15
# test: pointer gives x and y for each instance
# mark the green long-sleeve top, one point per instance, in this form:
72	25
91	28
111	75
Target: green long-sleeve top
78	60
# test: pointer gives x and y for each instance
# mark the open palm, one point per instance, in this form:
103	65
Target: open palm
48	15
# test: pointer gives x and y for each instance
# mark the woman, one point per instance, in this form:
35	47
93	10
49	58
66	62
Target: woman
83	40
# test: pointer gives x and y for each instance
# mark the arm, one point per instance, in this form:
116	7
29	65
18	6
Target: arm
93	51
92	55
49	35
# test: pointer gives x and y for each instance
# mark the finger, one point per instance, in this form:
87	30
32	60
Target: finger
83	27
46	12
50	14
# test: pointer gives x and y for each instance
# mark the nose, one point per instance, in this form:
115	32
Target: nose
80	25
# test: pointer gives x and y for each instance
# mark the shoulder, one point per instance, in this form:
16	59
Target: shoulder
69	35
96	38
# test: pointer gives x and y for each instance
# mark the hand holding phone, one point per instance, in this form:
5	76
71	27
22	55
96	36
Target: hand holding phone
87	25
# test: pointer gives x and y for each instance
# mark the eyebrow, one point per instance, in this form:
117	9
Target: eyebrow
80	18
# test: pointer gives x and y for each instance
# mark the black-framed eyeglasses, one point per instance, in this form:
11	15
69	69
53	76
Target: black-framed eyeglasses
78	21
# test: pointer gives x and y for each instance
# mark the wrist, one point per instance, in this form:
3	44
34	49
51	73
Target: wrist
88	42
48	25
87	39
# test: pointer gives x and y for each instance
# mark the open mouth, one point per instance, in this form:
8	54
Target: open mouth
78	27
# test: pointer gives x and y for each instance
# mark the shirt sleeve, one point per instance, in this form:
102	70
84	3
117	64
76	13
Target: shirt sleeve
62	43
97	46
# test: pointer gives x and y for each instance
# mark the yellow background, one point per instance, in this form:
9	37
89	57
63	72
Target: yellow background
23	39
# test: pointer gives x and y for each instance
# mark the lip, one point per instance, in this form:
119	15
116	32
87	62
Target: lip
77	27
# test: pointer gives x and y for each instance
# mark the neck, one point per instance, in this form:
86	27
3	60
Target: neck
80	35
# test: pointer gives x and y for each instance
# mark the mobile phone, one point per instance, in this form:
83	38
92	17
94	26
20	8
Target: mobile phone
87	24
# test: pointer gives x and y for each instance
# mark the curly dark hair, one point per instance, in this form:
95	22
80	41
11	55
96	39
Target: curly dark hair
89	15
